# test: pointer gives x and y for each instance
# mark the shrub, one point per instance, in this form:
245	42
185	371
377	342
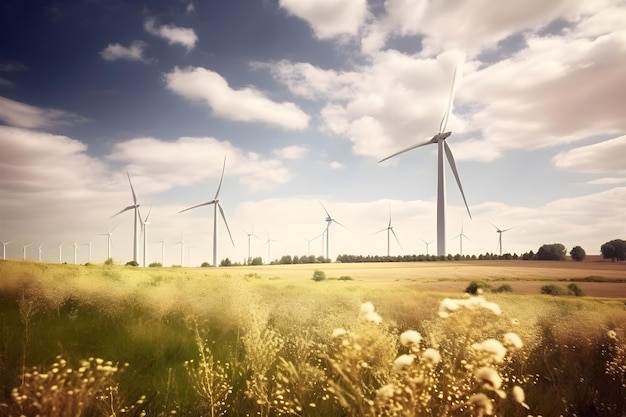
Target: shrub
551	252
132	263
503	288
553	290
205	264
109	261
575	290
344	278
319	275
477	287
155	265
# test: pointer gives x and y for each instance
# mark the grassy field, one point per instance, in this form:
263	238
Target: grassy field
270	341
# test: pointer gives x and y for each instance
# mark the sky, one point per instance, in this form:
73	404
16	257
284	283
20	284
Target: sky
300	99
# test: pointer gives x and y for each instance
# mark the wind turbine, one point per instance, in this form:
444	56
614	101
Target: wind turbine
268	242
250	235
182	246
24	247
461	236
134	206
4	249
75	251
329	221
389	230
144	230
109	234
162	251
500	231
442	146
40	251
216	205
88	244
61	253
427	243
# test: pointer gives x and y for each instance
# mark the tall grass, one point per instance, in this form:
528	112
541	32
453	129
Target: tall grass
247	345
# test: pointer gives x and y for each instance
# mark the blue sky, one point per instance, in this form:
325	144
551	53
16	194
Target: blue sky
303	98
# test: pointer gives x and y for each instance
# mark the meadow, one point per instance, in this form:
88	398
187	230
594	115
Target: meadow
369	340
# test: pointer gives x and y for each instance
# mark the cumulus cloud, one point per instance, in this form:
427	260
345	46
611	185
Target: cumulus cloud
602	157
19	114
246	104
292	152
115	51
172	33
329	18
336	165
203	158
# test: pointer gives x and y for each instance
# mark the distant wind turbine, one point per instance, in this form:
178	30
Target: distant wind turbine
144	230
4	249
442	146
390	231
461	236
268	242
61	253
500	231
24	247
75	251
427	243
40	251
329	221
216	204
108	235
135	207
162	252
249	236
88	244
182	246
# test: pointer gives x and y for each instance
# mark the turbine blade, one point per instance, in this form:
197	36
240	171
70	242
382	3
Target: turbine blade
431	140
148	216
506	230
132	189
497	228
226	223
199	205
221	179
335	221
446	115
118	225
325	209
456	174
396	237
123	210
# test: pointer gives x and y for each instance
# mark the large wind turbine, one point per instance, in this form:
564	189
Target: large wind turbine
390	231
461	236
144	230
109	234
500	231
442	146
216	203
134	206
4	249
329	221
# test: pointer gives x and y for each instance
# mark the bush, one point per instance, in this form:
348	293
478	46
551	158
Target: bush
575	290
155	265
578	254
503	288
553	290
109	261
319	275
205	264
132	263
551	252
477	287
614	249
344	278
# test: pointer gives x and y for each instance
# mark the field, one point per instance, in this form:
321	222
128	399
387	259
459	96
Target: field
390	339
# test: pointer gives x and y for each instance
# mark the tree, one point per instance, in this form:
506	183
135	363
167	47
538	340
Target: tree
578	254
225	262
551	252
614	249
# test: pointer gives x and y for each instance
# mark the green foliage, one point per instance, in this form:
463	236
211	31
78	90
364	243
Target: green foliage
578	253
319	275
256	261
477	287
155	265
554	290
109	261
503	288
344	278
614	249
205	265
225	262
132	263
575	290
551	252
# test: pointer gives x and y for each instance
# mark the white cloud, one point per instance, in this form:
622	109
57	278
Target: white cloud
23	115
247	104
292	152
329	18
606	156
336	165
607	181
134	52
161	162
173	34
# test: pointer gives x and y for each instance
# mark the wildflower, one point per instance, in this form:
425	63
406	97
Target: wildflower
519	396
373	317
410	337
368	313
339	332
402	362
367	307
492	347
385	392
431	356
491	306
612	334
512	341
489	378
482	403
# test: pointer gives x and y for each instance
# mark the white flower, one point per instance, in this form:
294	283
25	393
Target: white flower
431	356
483	403
373	317
489	378
491	306
512	340
493	347
410	337
448	304
402	362
339	332
385	392
519	396
367	307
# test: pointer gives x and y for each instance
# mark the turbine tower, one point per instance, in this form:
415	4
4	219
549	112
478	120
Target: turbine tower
75	251
182	247
442	146
461	236
329	221
162	252
88	244
144	230
216	205
250	235
109	241
390	231
40	251
24	247
268	242
4	249
134	206
500	231
61	253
